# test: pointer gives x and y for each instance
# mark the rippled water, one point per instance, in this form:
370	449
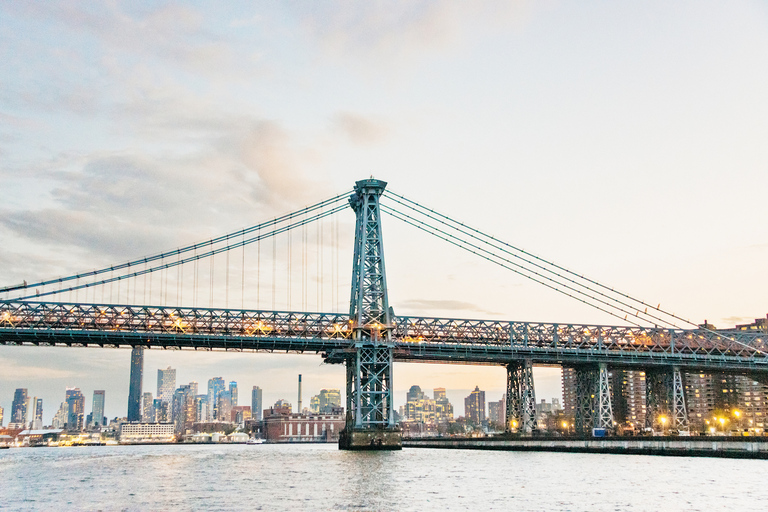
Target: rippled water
320	477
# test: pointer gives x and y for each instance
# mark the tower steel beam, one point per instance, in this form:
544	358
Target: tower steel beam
658	397
680	412
586	382
604	412
370	418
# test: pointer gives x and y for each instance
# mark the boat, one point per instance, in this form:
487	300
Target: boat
253	440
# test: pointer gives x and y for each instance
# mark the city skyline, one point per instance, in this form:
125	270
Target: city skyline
615	144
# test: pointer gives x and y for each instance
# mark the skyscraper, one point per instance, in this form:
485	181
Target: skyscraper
134	391
1	416
166	384
224	407
19	406
474	406
147	408
256	403
233	392
75	409
97	408
215	387
36	417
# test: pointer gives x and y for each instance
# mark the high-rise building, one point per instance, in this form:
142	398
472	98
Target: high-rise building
443	407
147	408
19	407
201	408
1	415
215	387
224	407
161	411
233	392
60	418
325	401
75	409
474	406
256	403
166	384
134	391
97	409
36	416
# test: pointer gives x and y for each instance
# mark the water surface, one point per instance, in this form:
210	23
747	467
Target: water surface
320	477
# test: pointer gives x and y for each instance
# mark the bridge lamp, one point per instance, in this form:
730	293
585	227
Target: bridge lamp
663	420
737	413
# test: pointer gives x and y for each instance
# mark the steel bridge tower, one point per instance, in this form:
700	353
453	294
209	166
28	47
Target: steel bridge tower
370	414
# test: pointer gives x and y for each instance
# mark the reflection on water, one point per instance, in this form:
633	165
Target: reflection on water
311	477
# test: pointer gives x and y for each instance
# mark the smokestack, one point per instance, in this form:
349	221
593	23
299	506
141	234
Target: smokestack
299	411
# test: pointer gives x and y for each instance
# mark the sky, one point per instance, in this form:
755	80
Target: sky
623	141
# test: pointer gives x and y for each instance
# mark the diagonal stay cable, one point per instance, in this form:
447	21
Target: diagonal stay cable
177	252
446	237
466	231
459	243
200	256
496	240
710	331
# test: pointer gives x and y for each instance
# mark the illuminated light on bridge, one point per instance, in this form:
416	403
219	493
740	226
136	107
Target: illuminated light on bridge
370	337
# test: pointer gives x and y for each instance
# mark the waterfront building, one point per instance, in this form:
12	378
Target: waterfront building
166	384
134	391
146	433
75	409
256	403
19	406
215	387
233	393
282	426
325	401
147	408
474	406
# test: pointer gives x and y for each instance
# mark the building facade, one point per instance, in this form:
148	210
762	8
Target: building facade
166	384
474	406
256	403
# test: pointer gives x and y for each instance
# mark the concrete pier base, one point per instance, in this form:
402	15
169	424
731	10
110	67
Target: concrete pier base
378	439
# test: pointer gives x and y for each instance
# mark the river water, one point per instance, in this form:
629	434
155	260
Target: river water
320	477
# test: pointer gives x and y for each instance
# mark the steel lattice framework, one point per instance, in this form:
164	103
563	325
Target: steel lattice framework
411	338
369	367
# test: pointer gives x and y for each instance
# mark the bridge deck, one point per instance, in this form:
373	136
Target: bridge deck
415	338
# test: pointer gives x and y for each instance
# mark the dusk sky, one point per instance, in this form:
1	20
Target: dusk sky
625	141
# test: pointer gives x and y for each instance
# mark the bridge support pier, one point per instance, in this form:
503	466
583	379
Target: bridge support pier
593	399
665	399
521	398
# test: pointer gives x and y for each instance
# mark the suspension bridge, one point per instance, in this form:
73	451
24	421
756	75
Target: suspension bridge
369	337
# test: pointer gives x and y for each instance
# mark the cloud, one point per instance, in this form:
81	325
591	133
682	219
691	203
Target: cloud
395	31
441	305
360	129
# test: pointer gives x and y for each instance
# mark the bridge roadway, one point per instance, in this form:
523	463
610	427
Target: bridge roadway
415	338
